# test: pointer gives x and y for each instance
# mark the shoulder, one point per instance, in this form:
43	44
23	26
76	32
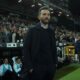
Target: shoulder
1	66
10	65
35	28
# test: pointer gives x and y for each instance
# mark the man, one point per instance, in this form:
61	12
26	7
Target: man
6	70
39	51
5	67
17	65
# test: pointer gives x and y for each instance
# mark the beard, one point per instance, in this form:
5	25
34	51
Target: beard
45	21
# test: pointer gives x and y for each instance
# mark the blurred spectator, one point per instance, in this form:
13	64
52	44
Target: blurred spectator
2	38
6	71
77	47
6	35
17	64
5	67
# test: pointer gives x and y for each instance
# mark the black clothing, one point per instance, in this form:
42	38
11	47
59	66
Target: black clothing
39	53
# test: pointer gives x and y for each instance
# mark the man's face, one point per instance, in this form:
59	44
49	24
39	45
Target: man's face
18	61
44	16
6	61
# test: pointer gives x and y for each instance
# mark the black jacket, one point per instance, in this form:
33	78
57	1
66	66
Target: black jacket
32	46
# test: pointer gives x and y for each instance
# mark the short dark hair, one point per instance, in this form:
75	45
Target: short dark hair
43	8
17	58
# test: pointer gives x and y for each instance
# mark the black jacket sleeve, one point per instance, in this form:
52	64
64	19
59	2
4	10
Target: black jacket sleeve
27	64
54	49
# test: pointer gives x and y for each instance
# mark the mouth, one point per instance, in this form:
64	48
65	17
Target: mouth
46	20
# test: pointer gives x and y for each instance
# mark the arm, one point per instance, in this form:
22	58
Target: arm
17	69
1	70
27	64
11	68
14	58
55	57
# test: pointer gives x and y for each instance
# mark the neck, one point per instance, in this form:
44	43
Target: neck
45	26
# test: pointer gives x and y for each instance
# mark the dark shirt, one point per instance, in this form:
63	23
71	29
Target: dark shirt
45	53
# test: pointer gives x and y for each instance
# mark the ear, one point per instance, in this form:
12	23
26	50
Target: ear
38	17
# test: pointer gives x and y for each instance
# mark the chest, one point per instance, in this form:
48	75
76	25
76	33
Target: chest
45	37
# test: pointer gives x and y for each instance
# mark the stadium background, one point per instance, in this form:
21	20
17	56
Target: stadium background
17	16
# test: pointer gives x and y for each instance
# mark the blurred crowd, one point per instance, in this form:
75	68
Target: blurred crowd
64	38
10	68
13	29
65	35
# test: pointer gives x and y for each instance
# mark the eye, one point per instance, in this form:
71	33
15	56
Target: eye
44	13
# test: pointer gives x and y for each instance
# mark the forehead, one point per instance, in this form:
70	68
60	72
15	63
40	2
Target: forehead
5	59
45	11
18	59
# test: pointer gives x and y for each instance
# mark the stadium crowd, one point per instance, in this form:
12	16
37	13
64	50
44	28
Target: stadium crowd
13	29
